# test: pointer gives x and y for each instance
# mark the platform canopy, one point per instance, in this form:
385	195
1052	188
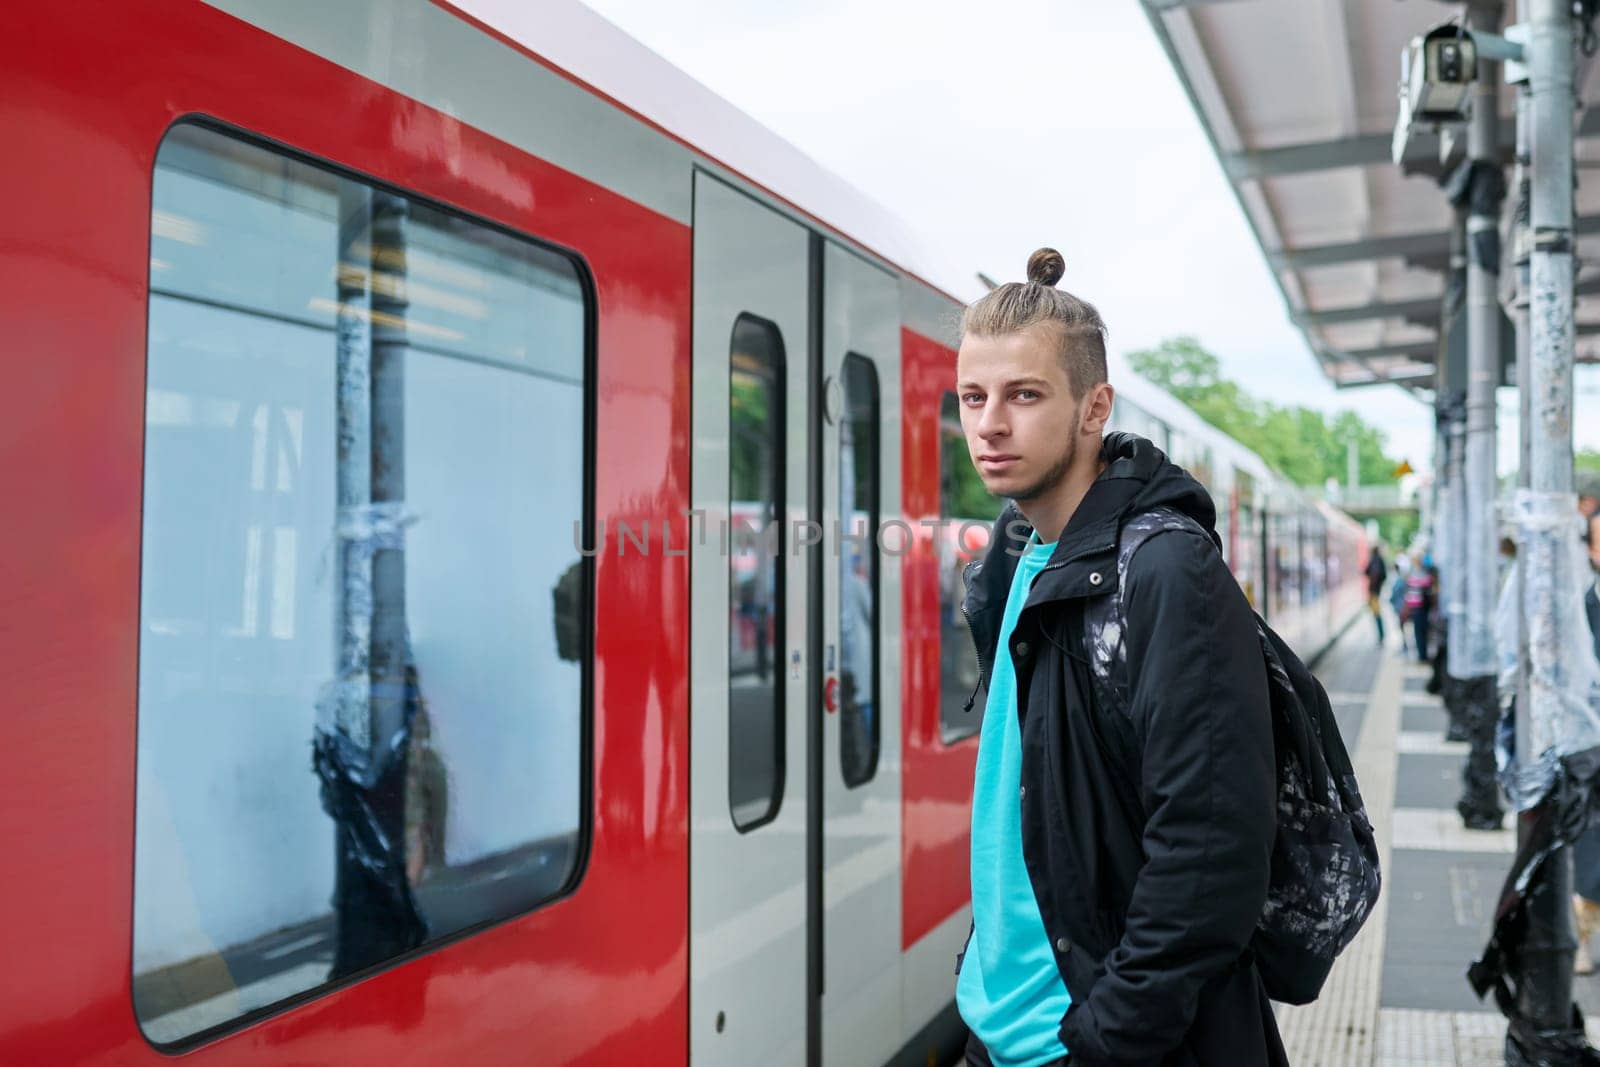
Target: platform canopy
1299	99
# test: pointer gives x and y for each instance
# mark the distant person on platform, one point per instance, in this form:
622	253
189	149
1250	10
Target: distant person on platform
1421	595
1397	596
1123	806
1377	571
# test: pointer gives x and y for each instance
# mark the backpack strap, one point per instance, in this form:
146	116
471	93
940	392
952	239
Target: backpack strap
1104	623
1292	692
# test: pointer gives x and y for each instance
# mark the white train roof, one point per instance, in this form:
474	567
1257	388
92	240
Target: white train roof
587	47
583	44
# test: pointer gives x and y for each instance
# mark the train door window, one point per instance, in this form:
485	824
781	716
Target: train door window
755	572
363	660
968	511
859	706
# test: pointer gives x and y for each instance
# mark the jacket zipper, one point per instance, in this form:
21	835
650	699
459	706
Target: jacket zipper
976	654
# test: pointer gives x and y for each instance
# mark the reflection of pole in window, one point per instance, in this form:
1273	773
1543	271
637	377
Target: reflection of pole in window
857	550
567	598
362	753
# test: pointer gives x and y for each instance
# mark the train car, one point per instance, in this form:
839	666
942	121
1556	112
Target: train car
1298	560
403	400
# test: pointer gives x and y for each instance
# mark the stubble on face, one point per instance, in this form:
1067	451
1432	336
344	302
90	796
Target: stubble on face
1058	470
1017	402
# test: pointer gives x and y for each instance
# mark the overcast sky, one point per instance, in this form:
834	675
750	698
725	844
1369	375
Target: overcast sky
994	130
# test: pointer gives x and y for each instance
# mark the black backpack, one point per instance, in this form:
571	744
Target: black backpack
1325	876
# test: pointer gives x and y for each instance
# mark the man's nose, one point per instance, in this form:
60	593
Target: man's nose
991	420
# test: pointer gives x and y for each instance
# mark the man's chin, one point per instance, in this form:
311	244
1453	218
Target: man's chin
1023	491
1013	489
1003	488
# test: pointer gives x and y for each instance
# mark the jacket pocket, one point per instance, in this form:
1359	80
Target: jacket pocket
1081	973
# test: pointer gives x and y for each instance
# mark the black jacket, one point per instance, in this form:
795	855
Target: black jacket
1377	571
1147	821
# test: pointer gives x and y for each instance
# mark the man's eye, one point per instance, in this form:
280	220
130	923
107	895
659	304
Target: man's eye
972	398
1025	394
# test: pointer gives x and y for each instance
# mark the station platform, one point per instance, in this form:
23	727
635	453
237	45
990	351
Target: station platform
1399	997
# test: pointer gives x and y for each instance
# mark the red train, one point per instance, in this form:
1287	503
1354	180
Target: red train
472	587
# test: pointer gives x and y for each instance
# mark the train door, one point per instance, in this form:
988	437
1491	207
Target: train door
749	781
860	738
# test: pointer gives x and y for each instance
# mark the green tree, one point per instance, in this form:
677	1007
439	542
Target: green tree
1180	366
751	433
1301	443
1587	460
1396	531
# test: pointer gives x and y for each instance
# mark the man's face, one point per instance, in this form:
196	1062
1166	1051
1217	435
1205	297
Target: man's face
1022	423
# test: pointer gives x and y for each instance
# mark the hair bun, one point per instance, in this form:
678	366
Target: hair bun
1046	266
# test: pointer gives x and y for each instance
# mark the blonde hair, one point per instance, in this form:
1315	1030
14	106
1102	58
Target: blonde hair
1015	306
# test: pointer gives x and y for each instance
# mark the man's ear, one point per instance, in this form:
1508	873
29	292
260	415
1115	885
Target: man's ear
1097	413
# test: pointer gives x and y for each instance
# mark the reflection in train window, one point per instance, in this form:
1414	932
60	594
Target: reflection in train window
755	572
860	709
968	511
1313	557
1287	563
1244	541
363	610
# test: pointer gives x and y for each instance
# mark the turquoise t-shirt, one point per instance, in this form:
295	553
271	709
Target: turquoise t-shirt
1010	992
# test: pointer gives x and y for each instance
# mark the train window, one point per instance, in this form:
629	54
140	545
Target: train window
860	709
968	511
1130	417
755	572
1195	457
1244	541
1284	529
363	612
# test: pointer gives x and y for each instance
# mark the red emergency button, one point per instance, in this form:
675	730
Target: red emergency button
830	693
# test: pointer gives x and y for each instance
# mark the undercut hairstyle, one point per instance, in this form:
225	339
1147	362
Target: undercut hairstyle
1015	306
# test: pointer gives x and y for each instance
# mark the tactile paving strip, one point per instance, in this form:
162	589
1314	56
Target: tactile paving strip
1339	1029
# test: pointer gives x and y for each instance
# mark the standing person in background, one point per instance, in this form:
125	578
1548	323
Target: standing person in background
1419	601
1377	571
1397	596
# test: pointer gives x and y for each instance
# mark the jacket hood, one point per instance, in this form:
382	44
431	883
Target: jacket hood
1149	480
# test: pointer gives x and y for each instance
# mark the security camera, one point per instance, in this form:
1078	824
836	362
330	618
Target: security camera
1437	70
1436	74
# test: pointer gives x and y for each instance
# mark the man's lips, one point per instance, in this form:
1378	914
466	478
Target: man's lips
997	461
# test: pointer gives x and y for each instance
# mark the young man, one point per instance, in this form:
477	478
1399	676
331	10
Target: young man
1123	806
